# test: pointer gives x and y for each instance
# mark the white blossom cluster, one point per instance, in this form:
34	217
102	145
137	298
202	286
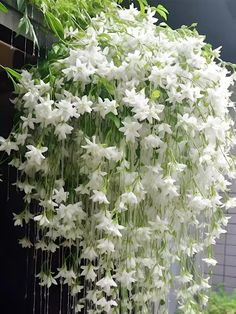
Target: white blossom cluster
126	148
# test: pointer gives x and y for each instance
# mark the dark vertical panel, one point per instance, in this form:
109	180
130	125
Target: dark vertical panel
12	257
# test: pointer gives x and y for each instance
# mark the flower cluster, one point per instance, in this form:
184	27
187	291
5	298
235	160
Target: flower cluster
126	149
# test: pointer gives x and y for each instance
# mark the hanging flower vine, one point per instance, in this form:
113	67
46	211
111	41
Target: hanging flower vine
123	151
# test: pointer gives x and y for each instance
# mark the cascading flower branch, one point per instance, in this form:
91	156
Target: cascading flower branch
124	149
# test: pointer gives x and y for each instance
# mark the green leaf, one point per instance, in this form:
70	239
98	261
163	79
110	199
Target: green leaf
107	85
162	11
21	5
142	4
25	27
12	72
54	24
114	119
3	8
161	7
104	36
32	33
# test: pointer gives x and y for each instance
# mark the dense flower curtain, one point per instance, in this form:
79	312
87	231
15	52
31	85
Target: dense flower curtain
123	151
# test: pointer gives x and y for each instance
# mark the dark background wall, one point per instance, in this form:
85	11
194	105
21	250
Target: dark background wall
12	257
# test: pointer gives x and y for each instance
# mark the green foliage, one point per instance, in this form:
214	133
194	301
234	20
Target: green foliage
142	5
3	8
13	75
25	27
114	119
21	4
73	12
54	24
61	14
162	11
222	303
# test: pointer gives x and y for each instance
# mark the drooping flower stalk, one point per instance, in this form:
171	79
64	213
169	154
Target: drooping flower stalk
125	148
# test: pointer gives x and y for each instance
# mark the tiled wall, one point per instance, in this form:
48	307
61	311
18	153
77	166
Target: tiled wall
225	249
225	253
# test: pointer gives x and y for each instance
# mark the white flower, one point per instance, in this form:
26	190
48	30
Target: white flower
89	253
106	305
44	113
128	14
188	120
79	307
230	203
112	153
93	148
185	278
28	121
105	246
25	186
21	138
70	32
154	112
126	278
198	202
18	219
159	225
152	141
71	212
42	219
210	261
169	187
69	276
62	130
106	224
129	198
7	146
100	197
164	128
89	272
51	247
134	99
92	296
96	180
105	106
46	279
76	289
130	129
106	284
60	195
41	245
131	262
66	110
35	155
25	243
84	105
